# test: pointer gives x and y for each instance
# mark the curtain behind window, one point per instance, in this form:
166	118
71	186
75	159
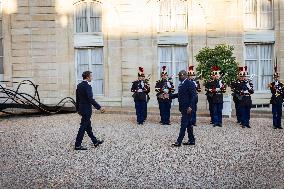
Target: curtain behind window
81	18
97	69
258	14
252	63
266	65
250	14
266	14
95	17
165	16
259	61
91	59
165	57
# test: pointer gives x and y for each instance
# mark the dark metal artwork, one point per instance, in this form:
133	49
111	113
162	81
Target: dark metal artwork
17	102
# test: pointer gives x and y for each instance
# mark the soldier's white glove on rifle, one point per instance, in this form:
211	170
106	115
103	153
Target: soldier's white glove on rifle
169	84
248	85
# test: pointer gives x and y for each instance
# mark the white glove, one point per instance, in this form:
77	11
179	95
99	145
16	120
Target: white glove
248	85
220	83
246	92
169	84
142	84
166	90
140	91
195	83
276	82
218	89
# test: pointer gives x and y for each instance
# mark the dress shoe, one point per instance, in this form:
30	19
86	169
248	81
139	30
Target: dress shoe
274	127
188	143
167	123
280	127
211	122
194	124
80	148
176	144
99	142
219	125
248	126
215	125
243	126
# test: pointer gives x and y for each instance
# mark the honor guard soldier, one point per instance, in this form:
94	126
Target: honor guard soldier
140	91
164	86
191	77
277	90
236	95
246	90
216	88
209	96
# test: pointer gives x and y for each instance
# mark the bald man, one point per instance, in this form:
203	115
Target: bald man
186	97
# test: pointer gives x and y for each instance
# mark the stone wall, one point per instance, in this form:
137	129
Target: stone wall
39	43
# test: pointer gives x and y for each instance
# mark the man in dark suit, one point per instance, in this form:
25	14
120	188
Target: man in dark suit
84	102
186	97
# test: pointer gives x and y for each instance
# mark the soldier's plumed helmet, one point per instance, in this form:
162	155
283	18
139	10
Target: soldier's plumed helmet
215	70
141	72
191	71
164	71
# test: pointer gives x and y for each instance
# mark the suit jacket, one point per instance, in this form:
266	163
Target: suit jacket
186	96
84	99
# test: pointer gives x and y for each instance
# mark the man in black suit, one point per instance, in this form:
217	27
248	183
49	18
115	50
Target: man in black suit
186	97
84	102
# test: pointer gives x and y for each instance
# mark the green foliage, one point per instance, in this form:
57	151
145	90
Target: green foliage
221	56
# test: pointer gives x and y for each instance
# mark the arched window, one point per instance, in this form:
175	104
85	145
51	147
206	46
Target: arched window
88	16
172	15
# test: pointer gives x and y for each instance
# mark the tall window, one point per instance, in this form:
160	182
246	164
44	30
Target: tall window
88	17
258	14
175	58
172	15
91	59
259	59
1	43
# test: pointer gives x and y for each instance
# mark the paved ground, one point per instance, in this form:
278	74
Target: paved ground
37	152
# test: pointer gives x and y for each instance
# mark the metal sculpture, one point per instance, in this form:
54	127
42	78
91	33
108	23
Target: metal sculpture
15	102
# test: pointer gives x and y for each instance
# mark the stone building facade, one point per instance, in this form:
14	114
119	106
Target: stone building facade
52	41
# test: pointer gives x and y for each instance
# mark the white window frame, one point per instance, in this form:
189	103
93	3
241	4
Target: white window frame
172	27
79	76
174	63
89	2
257	91
258	17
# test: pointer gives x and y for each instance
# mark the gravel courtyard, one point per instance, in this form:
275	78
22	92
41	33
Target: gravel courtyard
37	152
